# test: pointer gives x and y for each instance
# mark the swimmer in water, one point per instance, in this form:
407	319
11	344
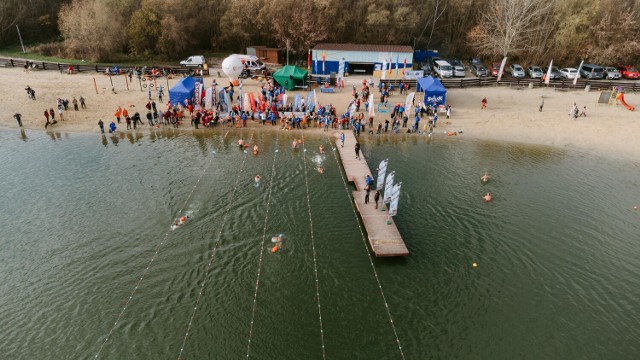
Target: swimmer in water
320	169
321	149
488	197
257	178
241	143
294	145
485	178
255	149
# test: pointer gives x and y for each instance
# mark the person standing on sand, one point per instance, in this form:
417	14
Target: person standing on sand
342	138
357	148
82	104
376	198
61	112
484	103
541	105
75	103
101	125
53	114
117	114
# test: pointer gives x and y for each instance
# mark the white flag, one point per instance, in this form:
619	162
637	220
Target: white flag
382	169
575	79
504	62
395	197
371	110
408	103
383	70
388	186
546	79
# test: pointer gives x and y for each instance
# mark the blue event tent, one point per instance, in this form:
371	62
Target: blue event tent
434	91
183	90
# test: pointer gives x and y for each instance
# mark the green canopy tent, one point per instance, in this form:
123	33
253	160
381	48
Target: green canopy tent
290	76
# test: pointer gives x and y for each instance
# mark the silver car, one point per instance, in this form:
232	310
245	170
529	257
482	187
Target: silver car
612	73
535	72
516	71
479	70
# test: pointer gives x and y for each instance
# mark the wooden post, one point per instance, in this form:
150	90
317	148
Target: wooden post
44	66
95	85
11	60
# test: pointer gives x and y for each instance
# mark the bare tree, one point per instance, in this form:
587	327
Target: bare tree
438	9
509	27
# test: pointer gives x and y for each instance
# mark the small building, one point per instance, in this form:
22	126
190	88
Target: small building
266	54
360	58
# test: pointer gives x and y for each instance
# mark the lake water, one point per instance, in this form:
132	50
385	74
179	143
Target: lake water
90	266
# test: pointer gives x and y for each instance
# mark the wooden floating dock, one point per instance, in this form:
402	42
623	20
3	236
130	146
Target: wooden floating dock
384	238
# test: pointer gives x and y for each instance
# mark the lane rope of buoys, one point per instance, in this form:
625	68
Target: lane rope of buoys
313	247
262	246
153	258
213	253
364	241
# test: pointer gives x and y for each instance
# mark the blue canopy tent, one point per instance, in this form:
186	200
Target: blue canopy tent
183	90
434	91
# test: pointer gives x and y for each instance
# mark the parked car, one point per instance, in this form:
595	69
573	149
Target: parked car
555	73
516	71
475	60
591	71
443	68
458	67
611	73
494	69
569	73
535	72
426	68
479	70
629	72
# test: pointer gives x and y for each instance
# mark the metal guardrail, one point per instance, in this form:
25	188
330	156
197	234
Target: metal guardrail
43	65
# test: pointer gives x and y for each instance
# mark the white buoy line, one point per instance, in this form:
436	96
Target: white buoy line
154	256
313	246
262	246
214	250
364	241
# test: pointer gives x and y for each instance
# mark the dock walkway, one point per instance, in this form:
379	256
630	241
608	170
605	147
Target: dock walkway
385	239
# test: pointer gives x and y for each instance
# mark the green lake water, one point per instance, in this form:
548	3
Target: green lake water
85	241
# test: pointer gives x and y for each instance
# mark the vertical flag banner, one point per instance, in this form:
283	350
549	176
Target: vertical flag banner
548	77
383	70
404	67
208	99
371	111
395	198
227	101
315	62
324	58
575	79
504	62
240	96
382	169
390	62
245	104
310	104
315	99
309	61
297	103
397	64
408	103
388	186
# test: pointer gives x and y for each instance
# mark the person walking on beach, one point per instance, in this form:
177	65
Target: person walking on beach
61	112
376	198
541	105
75	103
149	117
448	111
117	114
101	125
484	103
18	118
82	103
342	138
357	148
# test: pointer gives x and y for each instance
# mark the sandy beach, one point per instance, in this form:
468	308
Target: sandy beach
511	115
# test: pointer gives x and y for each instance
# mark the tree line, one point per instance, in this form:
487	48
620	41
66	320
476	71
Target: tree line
599	31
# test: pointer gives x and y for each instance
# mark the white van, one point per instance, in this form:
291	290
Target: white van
196	60
443	68
252	62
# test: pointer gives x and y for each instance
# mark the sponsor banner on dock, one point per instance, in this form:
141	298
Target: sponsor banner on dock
382	169
388	186
395	197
